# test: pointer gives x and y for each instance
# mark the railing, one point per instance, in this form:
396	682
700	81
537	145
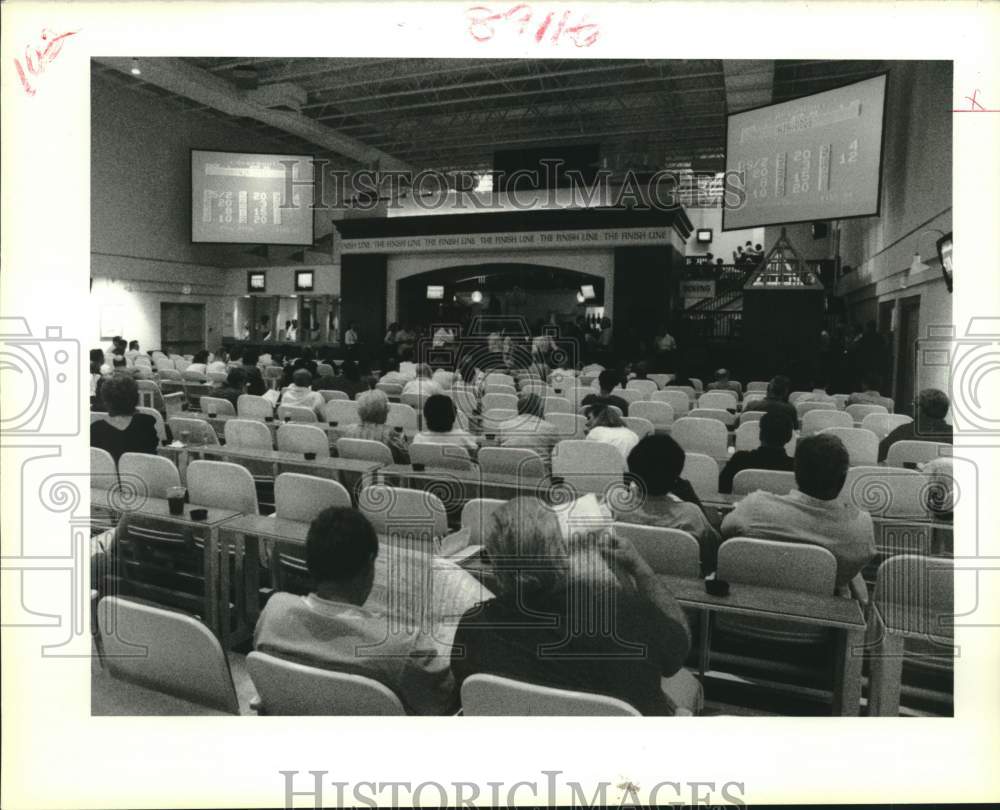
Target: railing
711	325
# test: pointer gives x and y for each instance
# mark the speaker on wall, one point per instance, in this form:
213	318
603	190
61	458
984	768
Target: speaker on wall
820	230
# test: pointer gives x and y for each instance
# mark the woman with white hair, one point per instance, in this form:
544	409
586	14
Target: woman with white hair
574	610
373	410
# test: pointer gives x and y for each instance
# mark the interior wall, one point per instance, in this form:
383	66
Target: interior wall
723	242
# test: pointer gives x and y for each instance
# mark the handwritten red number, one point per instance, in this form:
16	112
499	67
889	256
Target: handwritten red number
43	58
481	18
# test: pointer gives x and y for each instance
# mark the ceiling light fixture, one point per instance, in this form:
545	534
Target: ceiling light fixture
135	67
580	297
477	297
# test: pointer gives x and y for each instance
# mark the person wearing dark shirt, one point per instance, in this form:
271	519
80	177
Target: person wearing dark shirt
607	380
349	381
775	433
532	631
776	400
932	408
123	430
236	382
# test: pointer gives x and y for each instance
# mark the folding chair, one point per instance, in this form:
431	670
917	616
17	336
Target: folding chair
702	472
815	421
340	412
441	456
328	395
640	426
250	406
661	380
859	412
725	417
364	450
216	406
779	482
557	405
886	491
192	431
297	438
644	387
512	461
696	435
659	414
757	385
475	520
861	444
567	425
588	466
750	416
802	408
248	434
676	398
747	437
161	428
491	695
389	389
222	485
668	551
303	497
403	416
719	400
403	512
103	473
505	401
882	424
297	413
916	452
156	473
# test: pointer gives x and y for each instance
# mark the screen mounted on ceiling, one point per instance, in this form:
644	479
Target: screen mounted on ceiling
813	158
240	198
435	292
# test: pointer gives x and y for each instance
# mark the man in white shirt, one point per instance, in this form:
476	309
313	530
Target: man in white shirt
604	425
528	429
423	385
814	513
300	393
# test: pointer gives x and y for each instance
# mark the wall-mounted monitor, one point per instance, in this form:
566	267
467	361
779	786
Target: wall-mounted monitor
704	235
588	292
304	281
256	281
944	256
435	292
250	198
812	158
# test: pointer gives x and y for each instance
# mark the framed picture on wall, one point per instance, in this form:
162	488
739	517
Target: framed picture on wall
304	281
256	281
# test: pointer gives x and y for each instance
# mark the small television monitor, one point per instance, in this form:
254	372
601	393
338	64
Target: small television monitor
304	281
944	256
256	281
588	292
435	292
704	235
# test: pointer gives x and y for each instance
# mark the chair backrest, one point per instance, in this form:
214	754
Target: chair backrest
644	387
390	389
719	400
364	450
702	472
859	412
193	376
324	370
861	444
913	451
725	417
181	363
493	417
639	425
103	473
661	380
747	437
815	421
403	416
251	406
248	434
222	485
161	429
589	466
659	414
915	595
882	424
216	406
630	395
568	425
150	395
886	491
557	405
777	564
795	396
297	413
197	431
288	688
170	374
495	388
780	482
343	412
676	399
696	435
295	438
490	695
687	390
167	651
476	515
668	551
499	378
757	385
751	416
511	461
491	401
216	376
141	360
802	408
444	456
698	385
399	511
156	472
303	497
840	400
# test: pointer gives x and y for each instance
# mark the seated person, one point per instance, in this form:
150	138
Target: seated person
422	385
124	430
349	381
390	373
776	400
443	379
234	387
607	380
529	429
814	513
870	395
723	383
818	393
133	350
775	433
929	426
255	381
640	371
604	425
219	362
656	463
331	628
300	393
199	363
373	410
439	425
531	630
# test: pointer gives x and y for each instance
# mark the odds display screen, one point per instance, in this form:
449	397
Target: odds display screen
247	198
816	157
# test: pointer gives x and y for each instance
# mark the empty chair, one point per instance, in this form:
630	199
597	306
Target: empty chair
675	398
568	425
296	438
448	456
719	400
150	395
861	444
167	651
193	376
536	387
390	389
250	406
747	437
506	401
401	512
557	405
170	374
181	363
640	426
289	688
757	385
886	491
644	387
697	384
192	431
494	416
661	380
161	428
911	451
494	388
702	472
475	518
341	412
859	412
415	401
364	450
215	376
248	434
725	417
882	424
588	466
103	473
303	497
659	414
668	551
216	406
297	413
486	695
328	395
402	416
147	474
222	485
780	482
499	378
630	395
802	408
687	390
708	436
511	461
750	416
815	421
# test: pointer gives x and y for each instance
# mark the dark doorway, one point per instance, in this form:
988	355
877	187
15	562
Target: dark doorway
182	327
909	331
885	309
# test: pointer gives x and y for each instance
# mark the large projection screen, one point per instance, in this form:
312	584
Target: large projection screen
814	158
240	197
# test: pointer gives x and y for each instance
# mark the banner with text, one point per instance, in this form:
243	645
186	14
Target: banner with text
608	237
693	291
